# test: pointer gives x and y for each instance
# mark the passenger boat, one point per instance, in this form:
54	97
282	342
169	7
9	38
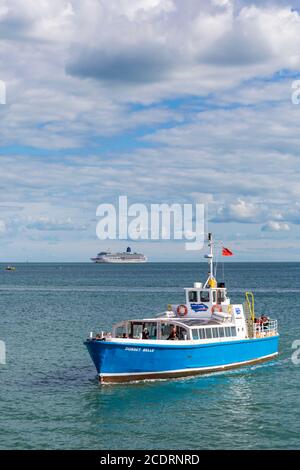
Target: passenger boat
206	333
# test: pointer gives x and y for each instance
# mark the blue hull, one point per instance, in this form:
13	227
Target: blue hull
118	362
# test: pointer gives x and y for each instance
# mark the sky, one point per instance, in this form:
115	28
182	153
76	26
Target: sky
163	101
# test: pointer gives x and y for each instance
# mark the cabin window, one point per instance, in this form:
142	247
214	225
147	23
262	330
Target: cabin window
195	334
149	330
165	330
221	332
201	333
136	330
233	331
204	296
215	333
227	331
182	334
208	333
193	296
121	331
214	295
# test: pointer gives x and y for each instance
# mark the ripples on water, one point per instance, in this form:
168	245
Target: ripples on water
49	395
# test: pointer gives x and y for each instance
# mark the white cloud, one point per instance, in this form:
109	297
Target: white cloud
241	211
82	74
2	227
274	226
49	225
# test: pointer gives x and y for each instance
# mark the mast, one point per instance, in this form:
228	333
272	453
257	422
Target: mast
210	256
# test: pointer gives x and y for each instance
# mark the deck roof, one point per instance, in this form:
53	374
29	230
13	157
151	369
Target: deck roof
189	322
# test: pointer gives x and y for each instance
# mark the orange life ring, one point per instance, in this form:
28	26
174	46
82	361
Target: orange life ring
182	310
216	307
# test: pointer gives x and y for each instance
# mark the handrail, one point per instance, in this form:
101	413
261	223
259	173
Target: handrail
250	301
268	328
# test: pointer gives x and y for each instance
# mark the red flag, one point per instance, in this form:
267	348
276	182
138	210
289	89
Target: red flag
226	252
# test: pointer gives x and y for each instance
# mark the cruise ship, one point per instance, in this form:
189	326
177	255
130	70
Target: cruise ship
125	257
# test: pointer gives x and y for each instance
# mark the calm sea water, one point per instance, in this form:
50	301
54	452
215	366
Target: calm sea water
49	394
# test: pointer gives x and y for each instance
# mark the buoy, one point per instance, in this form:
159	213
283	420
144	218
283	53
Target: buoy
217	307
182	310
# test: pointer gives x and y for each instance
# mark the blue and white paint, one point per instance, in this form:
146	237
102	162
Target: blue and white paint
192	338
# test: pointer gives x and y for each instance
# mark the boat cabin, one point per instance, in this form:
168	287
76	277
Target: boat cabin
202	302
208	296
163	329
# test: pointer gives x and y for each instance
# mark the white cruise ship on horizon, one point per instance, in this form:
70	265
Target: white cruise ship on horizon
124	257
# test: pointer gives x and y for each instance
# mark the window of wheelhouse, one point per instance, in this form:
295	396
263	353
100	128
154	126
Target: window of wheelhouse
193	296
220	296
204	296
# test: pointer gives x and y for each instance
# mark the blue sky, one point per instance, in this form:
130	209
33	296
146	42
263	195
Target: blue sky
160	100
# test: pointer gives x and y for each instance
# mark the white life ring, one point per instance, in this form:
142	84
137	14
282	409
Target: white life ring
217	307
182	310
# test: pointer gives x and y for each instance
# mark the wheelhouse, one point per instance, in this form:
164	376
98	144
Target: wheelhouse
208	296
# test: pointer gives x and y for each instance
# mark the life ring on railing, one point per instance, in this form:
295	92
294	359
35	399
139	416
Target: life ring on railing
217	307
182	310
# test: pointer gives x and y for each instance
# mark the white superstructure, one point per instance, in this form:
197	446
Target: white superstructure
124	257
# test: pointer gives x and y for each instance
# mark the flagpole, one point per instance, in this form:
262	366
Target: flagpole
211	256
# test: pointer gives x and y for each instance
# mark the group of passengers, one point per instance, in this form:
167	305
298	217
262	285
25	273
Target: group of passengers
263	321
172	336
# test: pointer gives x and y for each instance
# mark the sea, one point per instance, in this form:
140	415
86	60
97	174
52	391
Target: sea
49	394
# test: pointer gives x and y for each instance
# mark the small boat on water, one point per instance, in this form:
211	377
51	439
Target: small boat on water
10	268
205	334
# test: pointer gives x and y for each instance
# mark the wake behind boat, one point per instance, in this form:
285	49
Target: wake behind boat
205	334
125	257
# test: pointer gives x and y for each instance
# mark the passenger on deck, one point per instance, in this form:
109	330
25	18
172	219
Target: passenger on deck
173	335
264	320
145	333
100	337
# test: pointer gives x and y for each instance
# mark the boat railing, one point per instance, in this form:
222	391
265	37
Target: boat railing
227	308
268	328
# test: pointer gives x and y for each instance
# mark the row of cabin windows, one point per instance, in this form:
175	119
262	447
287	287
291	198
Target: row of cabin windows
207	296
136	330
217	332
